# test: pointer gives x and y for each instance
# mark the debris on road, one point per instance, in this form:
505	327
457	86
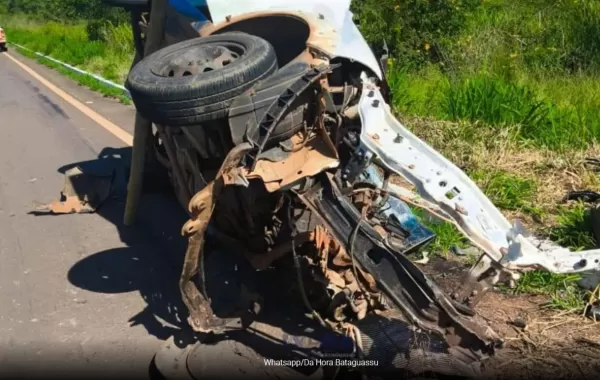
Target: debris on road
82	193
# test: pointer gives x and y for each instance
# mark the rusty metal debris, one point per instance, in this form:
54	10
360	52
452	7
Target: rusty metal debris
82	193
201	207
312	155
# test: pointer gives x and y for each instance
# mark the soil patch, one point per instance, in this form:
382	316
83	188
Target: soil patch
539	342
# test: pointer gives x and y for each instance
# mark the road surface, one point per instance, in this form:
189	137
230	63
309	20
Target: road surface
79	294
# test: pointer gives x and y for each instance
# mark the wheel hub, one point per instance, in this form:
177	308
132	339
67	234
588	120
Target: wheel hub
200	60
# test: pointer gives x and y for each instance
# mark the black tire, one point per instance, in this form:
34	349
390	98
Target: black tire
203	96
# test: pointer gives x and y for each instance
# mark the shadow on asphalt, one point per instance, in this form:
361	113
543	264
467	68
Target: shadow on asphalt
151	262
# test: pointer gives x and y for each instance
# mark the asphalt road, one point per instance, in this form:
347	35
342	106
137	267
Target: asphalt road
80	295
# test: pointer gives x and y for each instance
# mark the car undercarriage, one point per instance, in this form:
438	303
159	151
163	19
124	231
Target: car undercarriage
271	121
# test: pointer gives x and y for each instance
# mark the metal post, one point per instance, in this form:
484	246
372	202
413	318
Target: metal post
143	127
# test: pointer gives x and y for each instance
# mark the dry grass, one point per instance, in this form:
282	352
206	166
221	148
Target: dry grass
553	345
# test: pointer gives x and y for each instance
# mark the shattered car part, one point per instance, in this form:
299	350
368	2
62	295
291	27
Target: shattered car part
278	108
422	302
389	339
201	208
82	193
395	209
332	20
345	286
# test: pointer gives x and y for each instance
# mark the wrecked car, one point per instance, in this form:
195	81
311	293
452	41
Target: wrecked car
271	120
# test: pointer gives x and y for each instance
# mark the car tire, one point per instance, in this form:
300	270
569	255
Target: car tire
165	94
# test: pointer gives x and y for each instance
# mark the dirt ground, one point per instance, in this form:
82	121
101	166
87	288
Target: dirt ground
539	343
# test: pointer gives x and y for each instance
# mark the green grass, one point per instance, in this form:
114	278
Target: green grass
574	228
447	235
99	47
562	289
541	110
507	191
83	80
531	64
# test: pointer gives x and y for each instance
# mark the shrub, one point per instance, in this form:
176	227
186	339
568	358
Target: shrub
417	31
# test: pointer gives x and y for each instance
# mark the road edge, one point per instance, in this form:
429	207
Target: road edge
114	129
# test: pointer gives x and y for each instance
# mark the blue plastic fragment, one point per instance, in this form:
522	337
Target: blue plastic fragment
418	233
189	8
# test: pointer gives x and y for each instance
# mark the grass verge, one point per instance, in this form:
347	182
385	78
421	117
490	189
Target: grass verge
83	80
100	47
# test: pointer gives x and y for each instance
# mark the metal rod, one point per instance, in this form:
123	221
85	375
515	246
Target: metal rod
143	127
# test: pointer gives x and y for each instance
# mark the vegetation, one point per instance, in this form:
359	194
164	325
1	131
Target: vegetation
85	34
507	90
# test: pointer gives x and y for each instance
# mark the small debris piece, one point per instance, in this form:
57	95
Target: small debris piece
593	312
67	206
584	196
595	222
82	193
424	260
470	251
519	322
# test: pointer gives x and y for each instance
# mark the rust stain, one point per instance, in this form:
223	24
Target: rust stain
264	260
314	157
70	205
343	276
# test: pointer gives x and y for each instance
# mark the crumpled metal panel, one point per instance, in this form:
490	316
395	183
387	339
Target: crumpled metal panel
82	192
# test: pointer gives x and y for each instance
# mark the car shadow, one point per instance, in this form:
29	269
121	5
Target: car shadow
151	261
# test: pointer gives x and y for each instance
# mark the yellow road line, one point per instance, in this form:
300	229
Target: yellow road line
117	131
